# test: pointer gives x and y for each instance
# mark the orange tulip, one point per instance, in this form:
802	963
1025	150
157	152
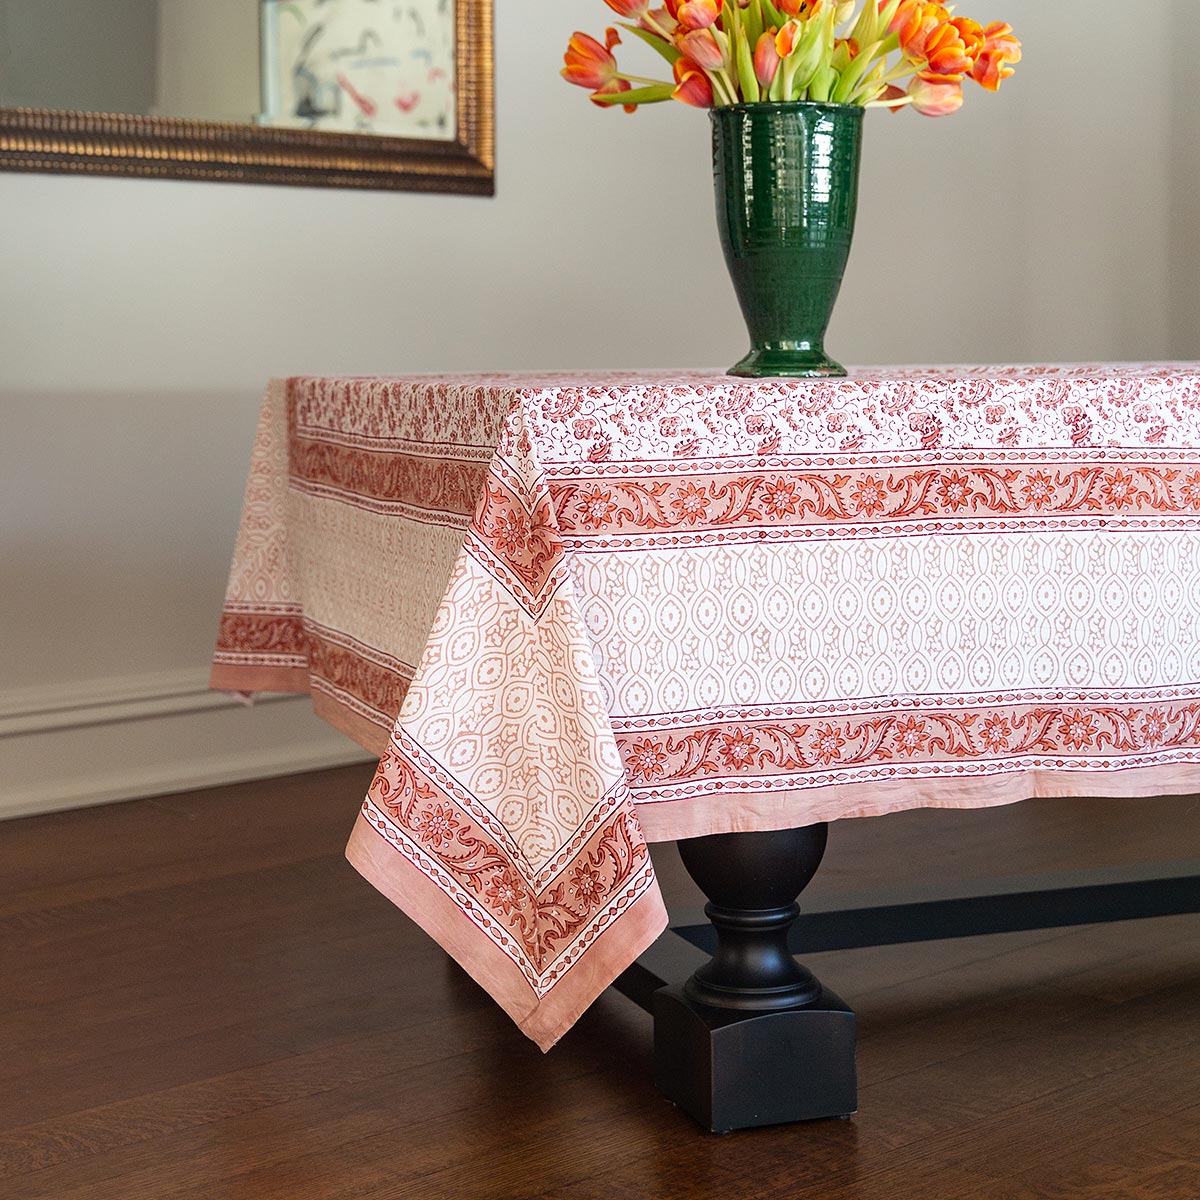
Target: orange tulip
702	48
788	38
999	49
914	21
766	59
693	87
613	85
588	63
658	20
936	95
971	33
694	14
631	10
951	50
800	8
902	14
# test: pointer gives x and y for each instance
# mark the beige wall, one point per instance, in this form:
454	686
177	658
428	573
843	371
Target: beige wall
78	54
161	57
208	59
139	320
1184	266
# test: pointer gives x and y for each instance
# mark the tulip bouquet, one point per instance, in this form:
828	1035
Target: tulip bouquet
860	52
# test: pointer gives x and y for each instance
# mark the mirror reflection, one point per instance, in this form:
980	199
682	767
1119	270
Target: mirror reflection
383	67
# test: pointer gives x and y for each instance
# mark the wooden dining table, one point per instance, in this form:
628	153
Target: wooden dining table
577	613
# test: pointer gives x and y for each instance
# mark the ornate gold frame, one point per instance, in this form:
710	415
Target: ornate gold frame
33	139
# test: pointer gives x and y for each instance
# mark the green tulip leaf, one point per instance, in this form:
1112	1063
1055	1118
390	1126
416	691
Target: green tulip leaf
655	43
642	95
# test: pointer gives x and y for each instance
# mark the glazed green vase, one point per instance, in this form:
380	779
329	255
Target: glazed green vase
787	190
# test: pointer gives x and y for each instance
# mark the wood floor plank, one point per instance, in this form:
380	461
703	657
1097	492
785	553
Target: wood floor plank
1162	1163
199	1000
142	844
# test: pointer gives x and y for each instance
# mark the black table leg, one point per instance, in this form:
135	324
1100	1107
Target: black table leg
737	1045
752	1038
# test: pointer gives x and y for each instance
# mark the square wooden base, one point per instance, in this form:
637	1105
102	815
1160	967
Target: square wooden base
730	1069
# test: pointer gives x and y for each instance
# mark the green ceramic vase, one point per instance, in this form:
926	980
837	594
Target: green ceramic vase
787	191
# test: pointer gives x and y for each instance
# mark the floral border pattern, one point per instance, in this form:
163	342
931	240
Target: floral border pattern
617	505
600	871
765	748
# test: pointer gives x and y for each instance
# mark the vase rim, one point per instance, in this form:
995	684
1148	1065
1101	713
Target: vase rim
784	105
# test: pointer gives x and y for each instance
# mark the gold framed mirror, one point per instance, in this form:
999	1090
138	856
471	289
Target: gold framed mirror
338	105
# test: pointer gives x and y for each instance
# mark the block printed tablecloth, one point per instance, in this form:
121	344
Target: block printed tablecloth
630	607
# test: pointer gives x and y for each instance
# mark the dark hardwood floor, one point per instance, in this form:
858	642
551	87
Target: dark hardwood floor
200	1000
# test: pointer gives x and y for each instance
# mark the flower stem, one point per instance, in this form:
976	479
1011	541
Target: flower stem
900	102
657	28
729	95
639	79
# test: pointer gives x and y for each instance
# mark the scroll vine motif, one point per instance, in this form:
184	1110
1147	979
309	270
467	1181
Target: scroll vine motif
767	747
792	497
543	921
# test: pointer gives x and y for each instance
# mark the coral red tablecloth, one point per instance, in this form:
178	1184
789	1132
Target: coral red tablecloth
576	613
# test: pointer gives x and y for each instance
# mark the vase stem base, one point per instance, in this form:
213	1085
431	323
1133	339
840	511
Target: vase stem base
791	364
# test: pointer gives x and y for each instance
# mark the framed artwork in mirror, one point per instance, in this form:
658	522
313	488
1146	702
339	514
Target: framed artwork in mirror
349	93
362	66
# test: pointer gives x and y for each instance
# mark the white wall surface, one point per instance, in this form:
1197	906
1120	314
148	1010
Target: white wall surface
140	319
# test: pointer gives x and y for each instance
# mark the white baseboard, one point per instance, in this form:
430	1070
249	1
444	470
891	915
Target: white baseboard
108	701
135	783
98	742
